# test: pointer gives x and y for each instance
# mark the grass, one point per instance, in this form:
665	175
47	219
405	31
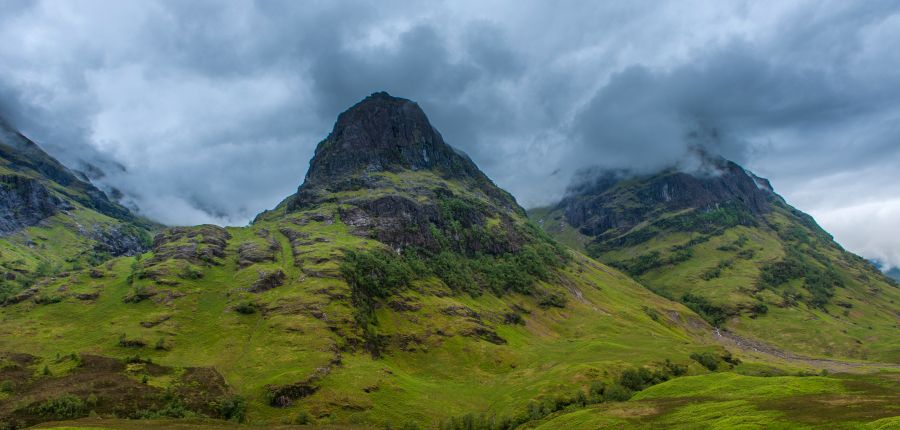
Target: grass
727	400
448	355
859	320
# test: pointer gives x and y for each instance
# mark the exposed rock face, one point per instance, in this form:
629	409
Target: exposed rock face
268	280
402	222
204	244
613	202
21	154
386	134
118	240
397	181
25	202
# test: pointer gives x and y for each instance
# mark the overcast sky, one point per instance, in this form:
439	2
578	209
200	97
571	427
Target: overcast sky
209	111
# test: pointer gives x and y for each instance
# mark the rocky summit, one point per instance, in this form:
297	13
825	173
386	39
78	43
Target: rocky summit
390	175
385	134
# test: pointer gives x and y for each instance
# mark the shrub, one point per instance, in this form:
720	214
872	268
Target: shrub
706	359
641	264
303	418
759	309
173	409
6	387
135	359
64	407
233	408
728	358
674	369
555	300
636	379
715	315
246	308
715	272
819	282
616	393
138	294
595	391
652	313
375	274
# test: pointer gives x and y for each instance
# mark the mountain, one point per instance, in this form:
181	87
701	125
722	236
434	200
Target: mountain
397	269
894	273
51	220
891	272
398	288
721	241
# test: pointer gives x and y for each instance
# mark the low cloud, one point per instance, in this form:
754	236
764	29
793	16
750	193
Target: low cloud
209	112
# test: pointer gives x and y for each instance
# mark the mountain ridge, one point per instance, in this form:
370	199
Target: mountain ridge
52	221
405	295
729	247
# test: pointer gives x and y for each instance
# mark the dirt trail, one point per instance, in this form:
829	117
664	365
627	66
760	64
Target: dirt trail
835	366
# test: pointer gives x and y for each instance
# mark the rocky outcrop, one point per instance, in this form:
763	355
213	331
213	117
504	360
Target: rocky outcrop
204	244
25	202
441	223
22	155
118	240
268	280
612	202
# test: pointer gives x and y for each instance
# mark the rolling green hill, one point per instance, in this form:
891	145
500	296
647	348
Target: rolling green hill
722	242
398	288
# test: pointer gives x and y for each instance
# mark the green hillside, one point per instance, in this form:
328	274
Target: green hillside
727	246
53	221
398	288
455	303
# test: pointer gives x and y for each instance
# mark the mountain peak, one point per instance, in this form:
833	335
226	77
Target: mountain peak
385	133
381	136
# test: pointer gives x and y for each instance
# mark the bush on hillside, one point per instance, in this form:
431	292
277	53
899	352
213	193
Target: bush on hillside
713	314
706	359
246	308
62	408
232	408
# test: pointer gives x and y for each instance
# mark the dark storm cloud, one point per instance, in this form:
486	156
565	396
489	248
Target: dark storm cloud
208	112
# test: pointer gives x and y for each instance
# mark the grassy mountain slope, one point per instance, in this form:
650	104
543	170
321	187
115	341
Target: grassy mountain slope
729	400
53	221
399	285
730	248
398	288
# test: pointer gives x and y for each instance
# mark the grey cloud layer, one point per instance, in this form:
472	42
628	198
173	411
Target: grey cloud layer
209	112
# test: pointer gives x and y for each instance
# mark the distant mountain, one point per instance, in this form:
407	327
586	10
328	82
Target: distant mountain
893	272
51	220
724	243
